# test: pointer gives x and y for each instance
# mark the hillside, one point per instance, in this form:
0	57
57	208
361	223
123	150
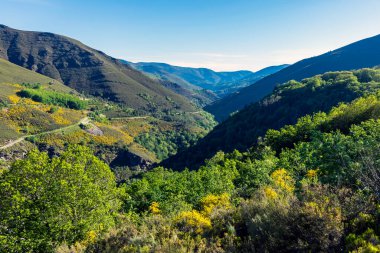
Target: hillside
361	54
38	111
11	73
288	102
221	83
87	70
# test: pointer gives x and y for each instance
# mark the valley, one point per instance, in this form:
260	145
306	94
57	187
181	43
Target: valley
115	144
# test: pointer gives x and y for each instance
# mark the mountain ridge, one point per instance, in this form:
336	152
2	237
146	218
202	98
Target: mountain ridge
86	69
360	54
219	82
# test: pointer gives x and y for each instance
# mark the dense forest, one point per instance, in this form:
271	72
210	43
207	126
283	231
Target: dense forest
310	184
285	105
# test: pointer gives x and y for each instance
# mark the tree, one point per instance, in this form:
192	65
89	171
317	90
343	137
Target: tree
49	201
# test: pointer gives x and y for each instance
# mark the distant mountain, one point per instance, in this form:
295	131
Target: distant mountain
285	105
361	54
87	70
220	83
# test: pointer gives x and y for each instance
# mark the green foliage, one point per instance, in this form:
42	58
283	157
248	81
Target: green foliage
309	187
166	143
46	201
339	118
171	189
54	98
334	160
284	106
32	85
3	104
341	159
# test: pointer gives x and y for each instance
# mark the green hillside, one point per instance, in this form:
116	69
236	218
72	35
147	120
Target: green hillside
284	106
37	111
11	73
361	54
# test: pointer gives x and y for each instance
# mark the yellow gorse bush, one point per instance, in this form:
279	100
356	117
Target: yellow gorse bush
155	208
270	193
210	202
200	221
193	221
283	180
14	99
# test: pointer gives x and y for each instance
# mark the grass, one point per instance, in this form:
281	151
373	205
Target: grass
12	74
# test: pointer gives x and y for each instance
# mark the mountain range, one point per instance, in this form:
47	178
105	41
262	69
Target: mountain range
220	83
362	54
86	70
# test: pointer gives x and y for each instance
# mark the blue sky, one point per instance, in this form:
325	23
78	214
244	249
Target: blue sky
218	34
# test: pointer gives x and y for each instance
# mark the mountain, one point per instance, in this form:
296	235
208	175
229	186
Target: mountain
12	73
87	70
200	97
285	105
221	83
38	111
361	54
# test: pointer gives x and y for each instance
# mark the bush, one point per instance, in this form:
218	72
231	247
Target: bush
53	98
46	202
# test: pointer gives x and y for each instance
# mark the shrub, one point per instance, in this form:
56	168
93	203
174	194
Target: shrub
53	98
46	201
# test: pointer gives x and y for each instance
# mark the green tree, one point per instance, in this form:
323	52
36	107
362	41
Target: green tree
49	201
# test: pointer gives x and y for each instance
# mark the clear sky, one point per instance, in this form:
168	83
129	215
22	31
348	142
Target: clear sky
218	34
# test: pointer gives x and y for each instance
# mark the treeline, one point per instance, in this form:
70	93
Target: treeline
309	187
53	98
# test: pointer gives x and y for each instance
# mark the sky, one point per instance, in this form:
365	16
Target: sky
223	35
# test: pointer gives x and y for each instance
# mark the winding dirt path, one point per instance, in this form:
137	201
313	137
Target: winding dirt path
84	120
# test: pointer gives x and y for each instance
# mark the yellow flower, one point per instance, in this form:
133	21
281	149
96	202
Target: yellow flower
270	193
311	173
14	99
210	202
283	180
155	208
91	236
194	221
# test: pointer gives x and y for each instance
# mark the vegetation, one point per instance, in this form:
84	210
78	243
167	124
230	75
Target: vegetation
284	106
310	183
320	195
308	187
168	143
53	98
46	202
344	58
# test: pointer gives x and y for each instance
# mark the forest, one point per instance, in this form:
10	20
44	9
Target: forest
308	186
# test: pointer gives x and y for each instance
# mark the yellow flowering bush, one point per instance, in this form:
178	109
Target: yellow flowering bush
14	99
270	193
59	117
283	180
155	208
210	202
193	221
